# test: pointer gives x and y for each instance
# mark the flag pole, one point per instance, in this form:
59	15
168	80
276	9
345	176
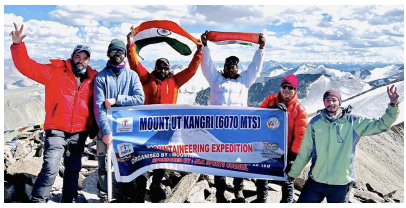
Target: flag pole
109	178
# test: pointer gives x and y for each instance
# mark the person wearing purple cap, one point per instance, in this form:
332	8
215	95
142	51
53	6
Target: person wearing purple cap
69	115
330	141
287	100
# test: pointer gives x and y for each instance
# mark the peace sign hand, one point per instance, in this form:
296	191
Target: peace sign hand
17	35
393	95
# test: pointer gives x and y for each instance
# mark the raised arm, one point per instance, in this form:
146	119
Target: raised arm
135	65
255	67
38	72
365	126
208	68
186	74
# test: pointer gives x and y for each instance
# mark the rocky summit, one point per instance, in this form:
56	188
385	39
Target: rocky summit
378	165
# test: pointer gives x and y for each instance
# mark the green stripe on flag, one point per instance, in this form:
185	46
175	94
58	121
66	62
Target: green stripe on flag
175	44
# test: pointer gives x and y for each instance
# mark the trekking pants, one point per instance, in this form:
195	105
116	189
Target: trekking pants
57	144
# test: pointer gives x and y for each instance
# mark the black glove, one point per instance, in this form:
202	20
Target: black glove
291	158
280	106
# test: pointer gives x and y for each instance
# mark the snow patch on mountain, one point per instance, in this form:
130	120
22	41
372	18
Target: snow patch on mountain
385	72
347	84
373	104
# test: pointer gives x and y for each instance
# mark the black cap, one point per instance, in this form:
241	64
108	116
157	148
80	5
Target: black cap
232	60
162	60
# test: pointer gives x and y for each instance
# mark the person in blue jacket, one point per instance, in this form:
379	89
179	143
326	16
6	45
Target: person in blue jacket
115	85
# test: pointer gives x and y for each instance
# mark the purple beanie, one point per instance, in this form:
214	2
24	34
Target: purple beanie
334	93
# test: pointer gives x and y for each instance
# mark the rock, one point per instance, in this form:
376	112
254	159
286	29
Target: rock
25	171
90	164
182	189
197	193
80	181
367	197
8	158
58	184
389	195
90	190
23	149
9	192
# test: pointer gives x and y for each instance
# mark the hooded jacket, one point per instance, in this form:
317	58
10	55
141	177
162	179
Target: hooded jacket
331	144
297	119
226	91
67	108
157	91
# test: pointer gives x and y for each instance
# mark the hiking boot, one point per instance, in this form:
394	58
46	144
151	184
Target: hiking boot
239	197
157	192
104	200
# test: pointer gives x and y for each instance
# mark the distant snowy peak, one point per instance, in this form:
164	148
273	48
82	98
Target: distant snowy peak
321	69
276	71
385	72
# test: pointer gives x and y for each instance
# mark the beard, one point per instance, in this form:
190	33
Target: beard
160	75
116	59
78	68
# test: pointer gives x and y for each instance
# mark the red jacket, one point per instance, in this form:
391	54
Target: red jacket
155	90
67	108
297	119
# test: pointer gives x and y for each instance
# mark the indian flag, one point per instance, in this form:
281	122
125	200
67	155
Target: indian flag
158	31
223	38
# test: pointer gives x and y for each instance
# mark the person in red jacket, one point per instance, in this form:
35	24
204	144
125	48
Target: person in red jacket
160	87
297	124
69	114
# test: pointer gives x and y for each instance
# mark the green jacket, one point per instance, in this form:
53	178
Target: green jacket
331	145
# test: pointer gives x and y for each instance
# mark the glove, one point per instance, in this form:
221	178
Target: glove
280	106
291	158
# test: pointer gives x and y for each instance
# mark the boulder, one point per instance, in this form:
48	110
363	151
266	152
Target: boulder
25	171
197	193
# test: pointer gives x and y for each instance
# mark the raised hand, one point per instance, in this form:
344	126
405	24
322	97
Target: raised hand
17	35
393	95
262	41
130	36
203	38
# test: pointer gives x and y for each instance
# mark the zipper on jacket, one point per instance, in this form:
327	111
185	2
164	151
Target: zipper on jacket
53	111
339	138
73	109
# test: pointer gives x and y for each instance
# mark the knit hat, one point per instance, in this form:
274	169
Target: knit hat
162	60
116	44
290	80
334	93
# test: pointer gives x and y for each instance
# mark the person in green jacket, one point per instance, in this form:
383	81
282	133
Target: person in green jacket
330	141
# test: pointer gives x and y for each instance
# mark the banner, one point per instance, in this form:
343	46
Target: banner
217	140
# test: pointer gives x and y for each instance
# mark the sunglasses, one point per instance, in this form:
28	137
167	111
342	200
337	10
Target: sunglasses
288	86
121	52
162	68
231	62
79	47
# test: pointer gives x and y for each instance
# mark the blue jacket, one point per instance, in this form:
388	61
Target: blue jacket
126	88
